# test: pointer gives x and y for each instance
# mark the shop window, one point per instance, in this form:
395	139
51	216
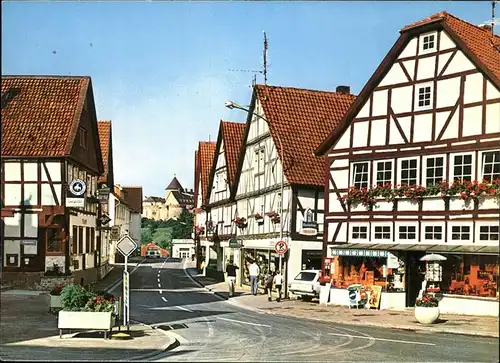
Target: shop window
491	165
407	232
80	239
433	232
359	232
434	171
460	233
409	168
462	167
384	172
360	175
382	232
55	240
488	233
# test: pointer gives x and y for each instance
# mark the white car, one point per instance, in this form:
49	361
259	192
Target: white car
306	285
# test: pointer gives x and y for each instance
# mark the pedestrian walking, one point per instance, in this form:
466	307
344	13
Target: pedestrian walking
231	276
278	283
254	271
269	285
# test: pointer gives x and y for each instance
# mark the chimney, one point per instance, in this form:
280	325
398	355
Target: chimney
343	89
486	27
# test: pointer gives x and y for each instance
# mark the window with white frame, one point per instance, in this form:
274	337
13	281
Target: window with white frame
360	175
409	171
491	165
384	172
428	42
434	170
280	203
460	233
382	232
433	232
359	232
407	232
489	233
424	96
462	167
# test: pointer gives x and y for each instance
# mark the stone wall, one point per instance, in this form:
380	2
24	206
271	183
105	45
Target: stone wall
47	283
22	280
85	277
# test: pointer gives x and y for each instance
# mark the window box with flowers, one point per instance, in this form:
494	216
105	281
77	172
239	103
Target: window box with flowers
240	222
86	310
259	219
427	309
275	217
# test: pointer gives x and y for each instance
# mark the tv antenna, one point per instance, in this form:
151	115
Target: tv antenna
263	71
493	21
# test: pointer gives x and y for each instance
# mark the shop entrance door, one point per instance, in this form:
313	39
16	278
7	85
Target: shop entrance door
415	275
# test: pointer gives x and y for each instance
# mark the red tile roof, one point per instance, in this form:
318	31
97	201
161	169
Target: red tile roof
104	128
42	119
133	197
232	134
479	41
206	151
302	118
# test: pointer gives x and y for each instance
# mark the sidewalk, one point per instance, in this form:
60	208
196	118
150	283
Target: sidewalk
396	319
29	332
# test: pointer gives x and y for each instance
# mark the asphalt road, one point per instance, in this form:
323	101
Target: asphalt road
210	329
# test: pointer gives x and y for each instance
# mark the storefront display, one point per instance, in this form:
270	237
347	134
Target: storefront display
267	260
470	275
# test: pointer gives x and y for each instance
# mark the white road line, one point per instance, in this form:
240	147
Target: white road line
185	309
244	322
159	285
163	298
161	292
381	339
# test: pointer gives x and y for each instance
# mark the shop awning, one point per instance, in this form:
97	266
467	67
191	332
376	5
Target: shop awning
490	250
358	252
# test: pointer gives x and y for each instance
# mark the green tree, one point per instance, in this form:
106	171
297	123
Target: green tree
184	225
146	235
163	237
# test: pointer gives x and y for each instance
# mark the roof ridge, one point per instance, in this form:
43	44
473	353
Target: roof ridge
304	89
39	76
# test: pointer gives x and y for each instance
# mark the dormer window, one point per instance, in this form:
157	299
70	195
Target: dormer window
83	138
428	42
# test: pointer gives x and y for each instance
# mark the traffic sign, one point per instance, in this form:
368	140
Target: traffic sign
115	233
126	245
281	247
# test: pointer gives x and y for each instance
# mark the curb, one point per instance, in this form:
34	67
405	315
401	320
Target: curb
5	288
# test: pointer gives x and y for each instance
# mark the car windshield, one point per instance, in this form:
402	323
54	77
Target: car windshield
305	276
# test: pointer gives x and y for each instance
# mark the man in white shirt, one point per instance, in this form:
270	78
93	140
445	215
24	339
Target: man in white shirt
278	283
254	271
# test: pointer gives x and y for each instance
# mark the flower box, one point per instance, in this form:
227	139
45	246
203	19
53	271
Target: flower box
406	204
426	315
489	203
433	204
358	207
460	204
85	320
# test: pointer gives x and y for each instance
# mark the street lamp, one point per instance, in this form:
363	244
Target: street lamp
232	105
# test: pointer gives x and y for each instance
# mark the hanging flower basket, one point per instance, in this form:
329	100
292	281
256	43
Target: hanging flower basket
199	229
240	222
259	219
275	217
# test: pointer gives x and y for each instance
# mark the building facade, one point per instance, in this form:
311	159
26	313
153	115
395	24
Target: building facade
414	168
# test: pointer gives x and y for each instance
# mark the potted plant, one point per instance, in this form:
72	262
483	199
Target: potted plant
259	219
427	309
55	298
241	222
275	217
85	310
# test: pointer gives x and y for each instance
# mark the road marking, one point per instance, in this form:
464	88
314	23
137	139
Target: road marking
185	309
159	285
163	298
158	279
118	283
161	292
244	322
381	339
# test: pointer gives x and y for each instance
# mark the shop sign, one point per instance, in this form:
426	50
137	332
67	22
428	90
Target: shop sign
358	252
103	195
309	225
233	243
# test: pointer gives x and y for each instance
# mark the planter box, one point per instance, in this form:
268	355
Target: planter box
55	302
406	204
433	204
358	208
383	205
85	320
426	315
489	203
458	204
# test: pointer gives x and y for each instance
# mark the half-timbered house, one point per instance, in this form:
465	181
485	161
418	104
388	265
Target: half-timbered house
283	128
414	168
51	160
204	158
222	208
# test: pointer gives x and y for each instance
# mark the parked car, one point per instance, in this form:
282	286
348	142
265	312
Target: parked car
153	254
306	285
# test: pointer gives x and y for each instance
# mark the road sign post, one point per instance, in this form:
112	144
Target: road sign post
126	246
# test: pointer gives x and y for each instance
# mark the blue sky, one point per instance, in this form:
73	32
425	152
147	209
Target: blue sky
161	70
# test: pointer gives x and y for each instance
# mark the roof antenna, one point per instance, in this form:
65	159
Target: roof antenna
208	137
492	22
265	58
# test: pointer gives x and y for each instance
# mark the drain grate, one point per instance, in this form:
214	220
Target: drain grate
172	327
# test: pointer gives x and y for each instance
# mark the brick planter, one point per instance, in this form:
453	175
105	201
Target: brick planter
47	283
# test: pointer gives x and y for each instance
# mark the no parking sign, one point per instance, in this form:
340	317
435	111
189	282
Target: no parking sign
281	247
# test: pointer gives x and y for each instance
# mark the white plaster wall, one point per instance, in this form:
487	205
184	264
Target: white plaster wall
31	171
365	110
468	306
459	63
12	194
410	50
135	227
401	99
12	171
394	76
344	140
426	68
377	137
472	124
333	203
379	103
473	88
54	169
491	91
446	42
423	128
492	118
447	92
361	132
